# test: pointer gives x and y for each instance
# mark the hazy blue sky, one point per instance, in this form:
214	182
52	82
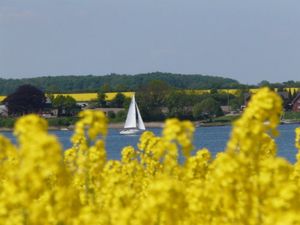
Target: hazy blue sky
245	40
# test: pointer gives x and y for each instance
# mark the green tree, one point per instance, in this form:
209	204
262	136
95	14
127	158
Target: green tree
102	100
235	104
101	95
111	114
214	91
264	83
66	105
105	88
179	104
207	108
121	115
151	98
118	100
26	99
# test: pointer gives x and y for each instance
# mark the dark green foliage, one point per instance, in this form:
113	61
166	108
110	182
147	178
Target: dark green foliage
213	91
279	86
222	98
7	122
226	119
66	105
120	83
235	104
101	100
105	88
241	96
198	111
207	108
118	101
121	114
264	83
126	103
119	117
114	82
26	99
111	115
62	121
158	101
179	104
292	115
151	98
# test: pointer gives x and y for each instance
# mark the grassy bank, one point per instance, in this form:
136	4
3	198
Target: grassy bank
225	119
53	122
7	122
292	116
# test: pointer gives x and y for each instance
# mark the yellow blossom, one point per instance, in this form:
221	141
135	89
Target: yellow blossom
247	184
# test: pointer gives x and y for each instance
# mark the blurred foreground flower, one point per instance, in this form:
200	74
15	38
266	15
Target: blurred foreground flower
245	184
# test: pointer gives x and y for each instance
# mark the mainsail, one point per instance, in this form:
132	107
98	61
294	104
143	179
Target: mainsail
131	115
134	118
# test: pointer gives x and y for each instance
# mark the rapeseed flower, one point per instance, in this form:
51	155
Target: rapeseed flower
246	184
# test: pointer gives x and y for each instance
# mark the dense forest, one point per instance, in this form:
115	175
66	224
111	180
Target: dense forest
116	82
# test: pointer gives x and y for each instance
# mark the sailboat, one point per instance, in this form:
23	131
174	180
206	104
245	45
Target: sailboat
134	122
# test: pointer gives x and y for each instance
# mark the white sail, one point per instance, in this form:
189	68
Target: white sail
134	122
140	124
131	115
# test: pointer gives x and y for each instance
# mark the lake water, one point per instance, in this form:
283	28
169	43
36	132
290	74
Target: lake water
213	138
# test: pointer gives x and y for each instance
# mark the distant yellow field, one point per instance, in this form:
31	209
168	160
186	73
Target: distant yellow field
229	91
200	92
111	95
81	97
292	90
86	97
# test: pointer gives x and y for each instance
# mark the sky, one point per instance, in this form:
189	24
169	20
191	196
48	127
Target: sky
249	41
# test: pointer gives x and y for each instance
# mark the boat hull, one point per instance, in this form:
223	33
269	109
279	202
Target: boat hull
287	122
130	131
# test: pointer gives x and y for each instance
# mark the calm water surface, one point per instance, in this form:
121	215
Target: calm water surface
213	138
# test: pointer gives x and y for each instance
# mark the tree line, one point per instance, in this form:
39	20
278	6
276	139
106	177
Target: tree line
116	82
121	82
157	101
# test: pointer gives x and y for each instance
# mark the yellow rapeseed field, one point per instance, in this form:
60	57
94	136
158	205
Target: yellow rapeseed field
237	91
293	90
85	97
246	184
80	97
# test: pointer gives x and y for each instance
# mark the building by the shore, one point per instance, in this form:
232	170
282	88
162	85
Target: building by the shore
296	103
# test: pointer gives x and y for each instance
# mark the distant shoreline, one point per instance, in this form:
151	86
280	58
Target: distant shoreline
147	125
